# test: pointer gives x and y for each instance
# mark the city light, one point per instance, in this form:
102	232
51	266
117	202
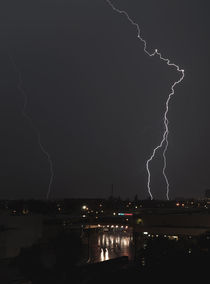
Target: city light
139	221
125	214
173	238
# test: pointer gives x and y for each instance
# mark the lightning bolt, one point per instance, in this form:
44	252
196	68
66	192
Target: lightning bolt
28	118
164	141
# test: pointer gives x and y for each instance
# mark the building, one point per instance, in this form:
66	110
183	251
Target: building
173	223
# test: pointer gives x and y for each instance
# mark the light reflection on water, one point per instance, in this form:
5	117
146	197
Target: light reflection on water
104	254
109	245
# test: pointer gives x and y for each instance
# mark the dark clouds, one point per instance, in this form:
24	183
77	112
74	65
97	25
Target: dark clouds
98	100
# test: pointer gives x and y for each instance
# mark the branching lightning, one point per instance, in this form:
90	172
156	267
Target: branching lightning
164	142
28	118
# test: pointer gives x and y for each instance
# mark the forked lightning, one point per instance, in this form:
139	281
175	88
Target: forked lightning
164	142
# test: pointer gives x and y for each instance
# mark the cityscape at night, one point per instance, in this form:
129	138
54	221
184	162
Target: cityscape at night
60	240
104	141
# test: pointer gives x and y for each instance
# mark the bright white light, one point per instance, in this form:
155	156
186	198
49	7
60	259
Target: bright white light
145	233
102	255
106	254
164	141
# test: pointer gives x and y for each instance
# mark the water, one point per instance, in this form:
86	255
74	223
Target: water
109	245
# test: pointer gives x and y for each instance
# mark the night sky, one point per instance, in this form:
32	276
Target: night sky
98	100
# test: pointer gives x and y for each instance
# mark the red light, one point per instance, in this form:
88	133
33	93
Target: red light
125	214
